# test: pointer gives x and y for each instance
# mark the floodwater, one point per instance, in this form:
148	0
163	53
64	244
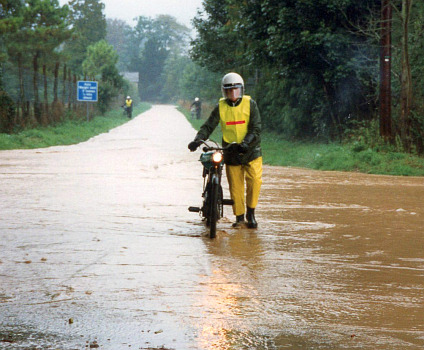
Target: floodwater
98	250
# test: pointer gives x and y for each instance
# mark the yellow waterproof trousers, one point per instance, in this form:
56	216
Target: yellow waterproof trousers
236	175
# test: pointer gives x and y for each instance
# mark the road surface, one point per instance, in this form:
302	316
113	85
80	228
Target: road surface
98	250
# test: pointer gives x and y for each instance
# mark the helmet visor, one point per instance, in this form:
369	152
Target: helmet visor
232	86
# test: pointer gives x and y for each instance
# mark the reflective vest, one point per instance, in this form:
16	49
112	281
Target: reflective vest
234	120
128	103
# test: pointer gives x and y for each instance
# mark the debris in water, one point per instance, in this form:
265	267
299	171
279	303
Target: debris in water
94	345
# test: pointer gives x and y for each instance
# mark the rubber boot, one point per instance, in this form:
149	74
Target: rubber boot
250	216
239	220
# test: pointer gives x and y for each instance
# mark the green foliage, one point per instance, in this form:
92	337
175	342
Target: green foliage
119	36
152	64
154	40
416	54
314	46
287	106
219	45
7	112
187	80
101	64
157	49
89	25
100	58
31	35
37	28
197	81
174	68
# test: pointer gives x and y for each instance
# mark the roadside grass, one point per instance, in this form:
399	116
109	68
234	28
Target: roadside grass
71	131
333	156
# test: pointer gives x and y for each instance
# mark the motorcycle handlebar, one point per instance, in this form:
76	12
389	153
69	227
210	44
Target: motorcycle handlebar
208	148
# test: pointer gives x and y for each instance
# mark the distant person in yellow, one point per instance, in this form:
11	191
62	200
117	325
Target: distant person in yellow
128	106
240	121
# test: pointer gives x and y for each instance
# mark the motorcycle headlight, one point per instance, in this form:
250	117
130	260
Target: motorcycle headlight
217	157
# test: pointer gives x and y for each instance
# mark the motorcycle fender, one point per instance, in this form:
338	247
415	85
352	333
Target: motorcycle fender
215	179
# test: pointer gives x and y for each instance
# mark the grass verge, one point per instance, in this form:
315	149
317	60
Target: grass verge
71	131
320	156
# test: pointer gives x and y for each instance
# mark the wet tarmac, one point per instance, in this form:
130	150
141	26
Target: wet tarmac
98	250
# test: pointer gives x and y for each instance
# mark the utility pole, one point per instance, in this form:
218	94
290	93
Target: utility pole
385	70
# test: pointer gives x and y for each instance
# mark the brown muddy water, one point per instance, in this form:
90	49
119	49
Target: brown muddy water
98	250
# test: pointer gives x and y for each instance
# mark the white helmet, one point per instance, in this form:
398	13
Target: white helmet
128	97
196	99
231	81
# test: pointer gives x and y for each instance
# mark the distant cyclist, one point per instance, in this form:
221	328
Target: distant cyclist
197	106
128	106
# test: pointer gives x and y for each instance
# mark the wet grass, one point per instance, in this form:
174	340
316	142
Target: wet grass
71	131
333	156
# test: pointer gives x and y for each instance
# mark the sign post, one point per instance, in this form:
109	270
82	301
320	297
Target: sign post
87	91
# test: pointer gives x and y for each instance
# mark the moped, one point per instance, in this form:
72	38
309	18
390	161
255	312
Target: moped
212	208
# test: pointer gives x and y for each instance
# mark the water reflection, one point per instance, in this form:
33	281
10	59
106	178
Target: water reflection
230	300
336	264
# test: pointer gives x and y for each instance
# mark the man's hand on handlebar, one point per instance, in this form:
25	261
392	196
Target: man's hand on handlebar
193	145
233	147
243	147
238	147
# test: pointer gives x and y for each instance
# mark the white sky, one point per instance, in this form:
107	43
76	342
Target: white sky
127	10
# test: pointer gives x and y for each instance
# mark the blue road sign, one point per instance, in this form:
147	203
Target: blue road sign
87	91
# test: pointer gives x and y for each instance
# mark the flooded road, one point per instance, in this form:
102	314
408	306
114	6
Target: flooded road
98	250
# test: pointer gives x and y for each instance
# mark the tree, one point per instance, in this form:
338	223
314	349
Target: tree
48	29
156	38
38	30
408	55
406	97
197	81
219	44
9	21
100	64
285	39
119	36
385	70
89	25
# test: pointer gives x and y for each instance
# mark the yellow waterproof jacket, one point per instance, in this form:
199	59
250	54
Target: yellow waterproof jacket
234	119
239	121
128	103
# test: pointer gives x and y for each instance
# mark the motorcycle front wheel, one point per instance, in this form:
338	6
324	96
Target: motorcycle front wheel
215	208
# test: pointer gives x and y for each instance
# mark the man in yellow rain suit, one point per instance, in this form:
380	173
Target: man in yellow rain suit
240	121
128	106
